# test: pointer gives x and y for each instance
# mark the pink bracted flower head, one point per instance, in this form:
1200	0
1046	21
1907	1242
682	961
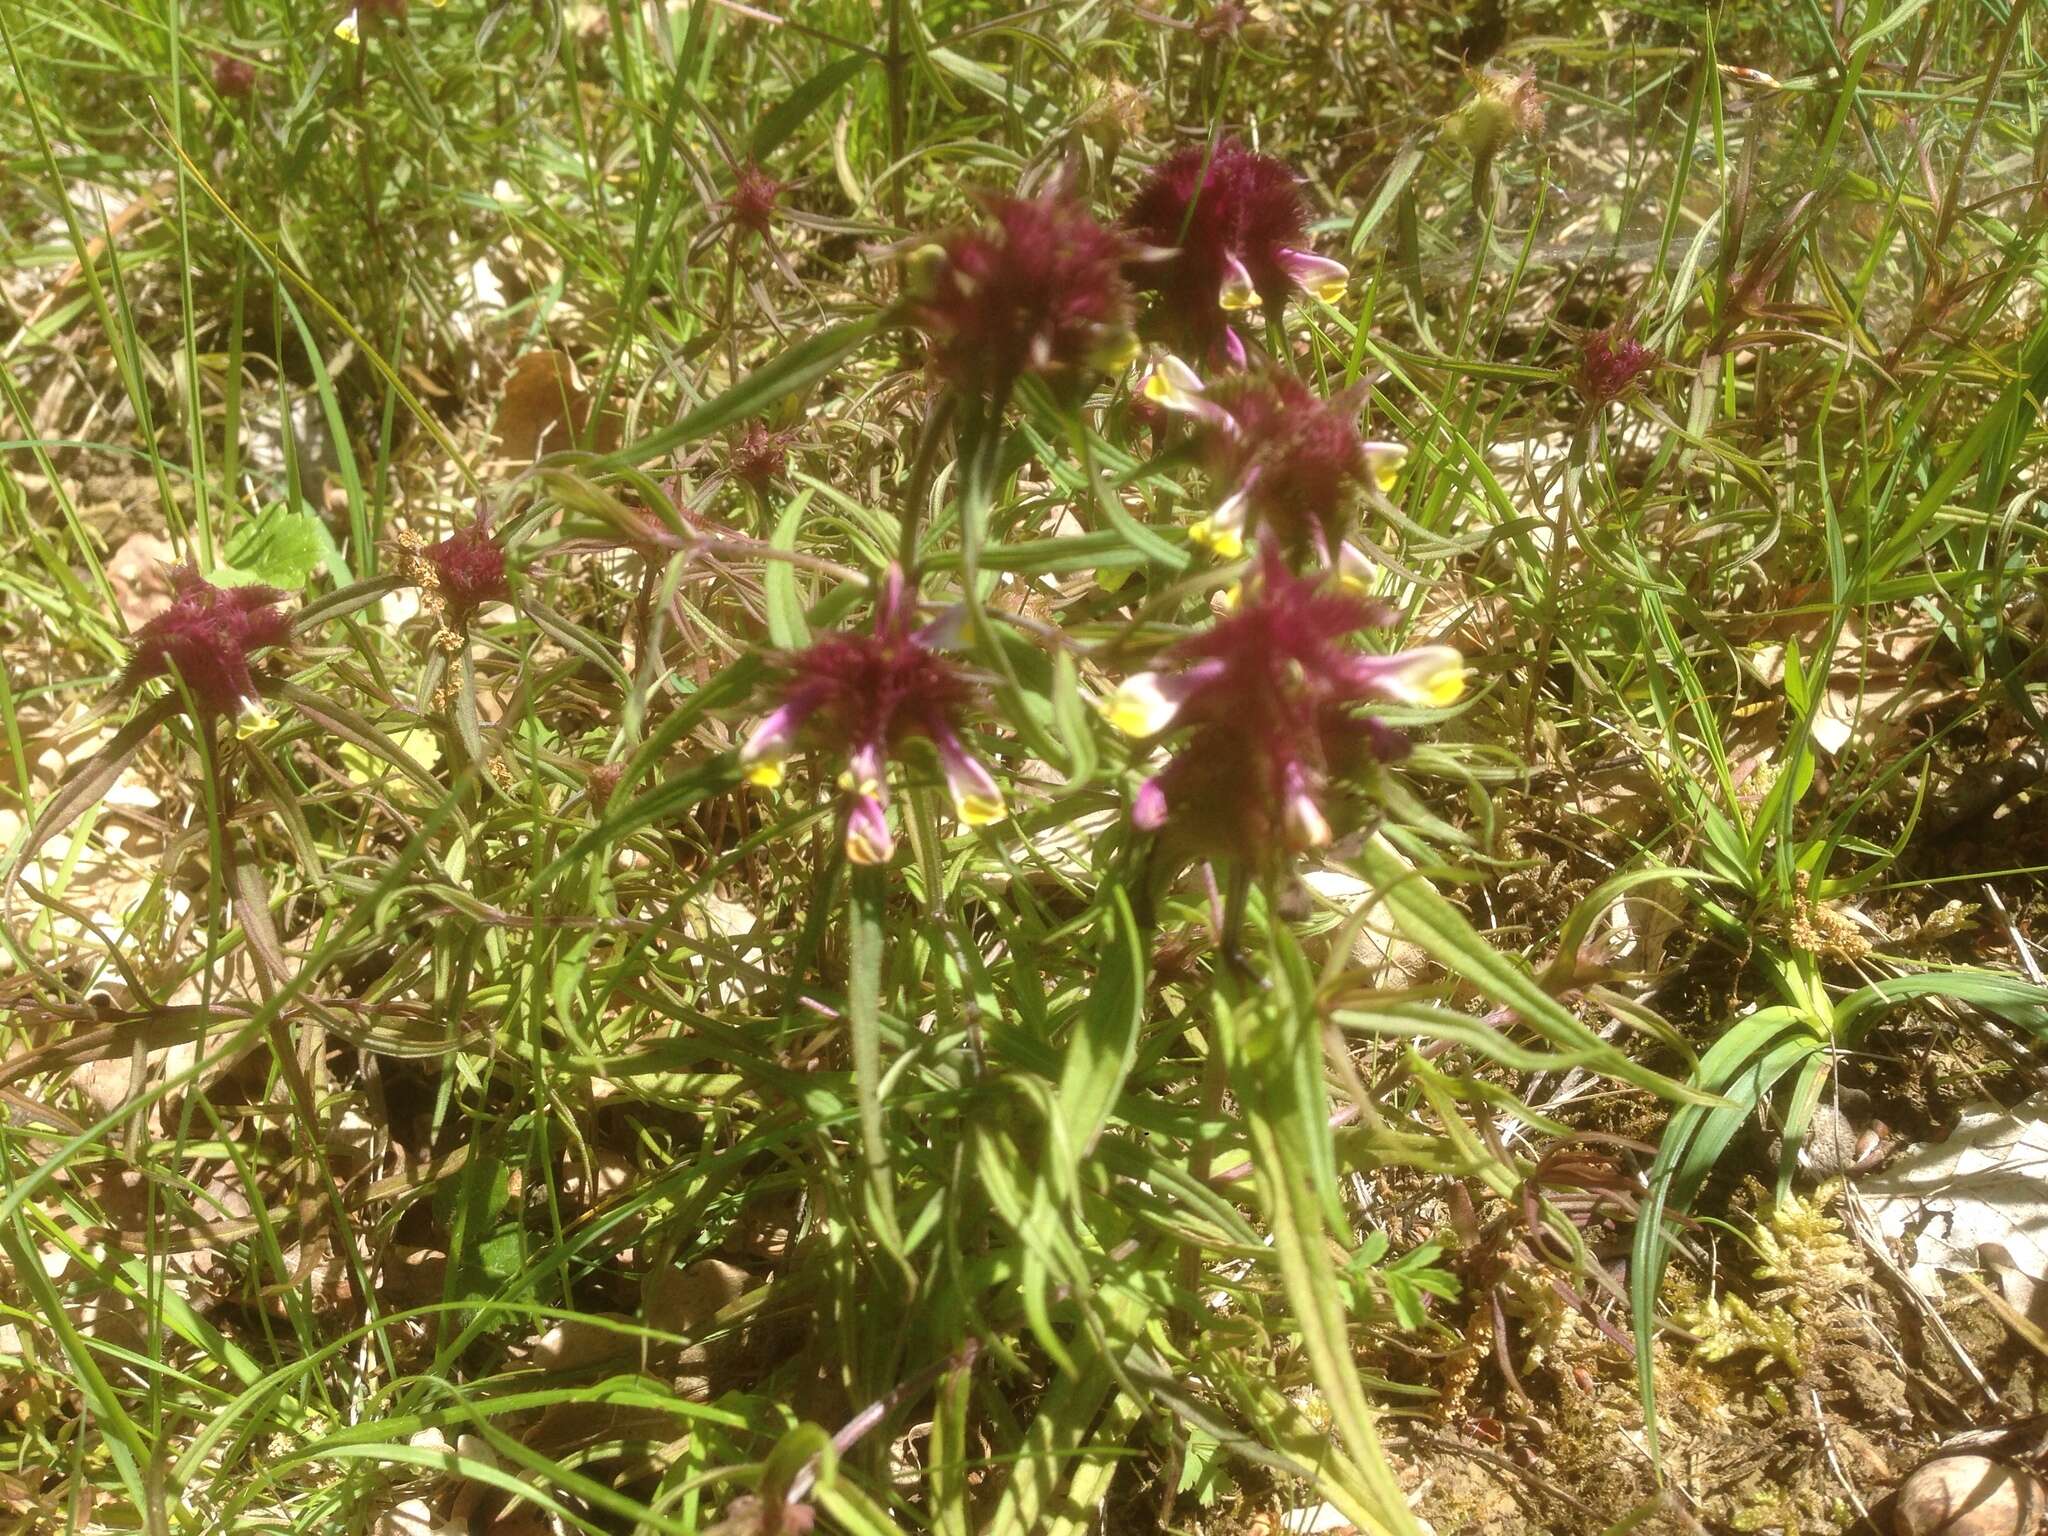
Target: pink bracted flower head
1282	458
759	457
467	571
1610	362
205	638
1038	289
752	203
1270	700
1228	231
863	695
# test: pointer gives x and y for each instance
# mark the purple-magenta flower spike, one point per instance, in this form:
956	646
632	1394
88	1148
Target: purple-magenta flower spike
1271	700
205	638
1283	458
1225	20
455	577
471	568
862	696
1039	289
1610	362
1228	231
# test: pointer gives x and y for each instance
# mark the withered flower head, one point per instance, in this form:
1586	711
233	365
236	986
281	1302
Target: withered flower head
1038	289
1269	699
755	194
862	696
600	782
1610	362
205	638
1283	458
1116	111
759	457
1502	107
1228	232
232	77
1225	20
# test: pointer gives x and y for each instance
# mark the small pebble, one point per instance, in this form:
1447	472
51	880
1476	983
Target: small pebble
1968	1496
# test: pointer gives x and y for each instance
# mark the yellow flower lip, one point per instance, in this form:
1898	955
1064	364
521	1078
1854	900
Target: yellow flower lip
766	749
977	798
1355	568
254	720
1238	291
1115	352
980	809
1224	540
1140	706
866	851
1171	383
1222	531
1431	676
1384	461
922	269
868	840
1319	276
1306	823
349	29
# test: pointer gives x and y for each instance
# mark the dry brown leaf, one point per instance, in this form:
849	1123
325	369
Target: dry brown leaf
1986	1184
139	573
1377	947
685	1301
576	1342
544	408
